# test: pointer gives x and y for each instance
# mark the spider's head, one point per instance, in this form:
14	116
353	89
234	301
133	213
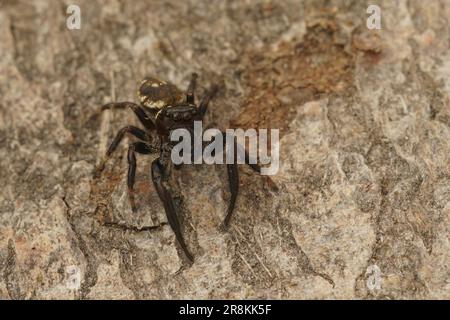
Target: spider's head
181	112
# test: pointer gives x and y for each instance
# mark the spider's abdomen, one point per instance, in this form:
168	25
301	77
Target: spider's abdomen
157	94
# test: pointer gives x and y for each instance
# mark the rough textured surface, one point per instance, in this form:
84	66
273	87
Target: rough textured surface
364	178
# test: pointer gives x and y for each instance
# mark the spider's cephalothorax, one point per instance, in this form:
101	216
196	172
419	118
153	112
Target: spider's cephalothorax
163	108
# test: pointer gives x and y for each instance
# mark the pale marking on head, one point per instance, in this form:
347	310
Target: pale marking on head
158	113
157	104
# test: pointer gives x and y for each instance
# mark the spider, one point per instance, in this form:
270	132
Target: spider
163	108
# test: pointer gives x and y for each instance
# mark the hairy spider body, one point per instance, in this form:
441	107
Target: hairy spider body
163	108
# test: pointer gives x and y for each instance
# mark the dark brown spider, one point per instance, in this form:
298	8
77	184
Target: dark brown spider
163	108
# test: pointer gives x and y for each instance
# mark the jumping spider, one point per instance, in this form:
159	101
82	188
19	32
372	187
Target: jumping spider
163	108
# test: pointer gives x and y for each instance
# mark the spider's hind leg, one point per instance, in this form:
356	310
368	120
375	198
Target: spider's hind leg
158	177
233	177
142	148
233	180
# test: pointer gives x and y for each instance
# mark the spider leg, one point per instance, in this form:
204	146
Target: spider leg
142	148
206	99
158	177
139	111
233	179
190	94
135	131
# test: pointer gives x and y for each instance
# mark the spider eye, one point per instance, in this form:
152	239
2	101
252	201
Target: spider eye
186	116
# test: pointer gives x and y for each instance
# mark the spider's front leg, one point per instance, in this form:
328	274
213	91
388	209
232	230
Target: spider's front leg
205	101
159	178
138	111
190	94
132	130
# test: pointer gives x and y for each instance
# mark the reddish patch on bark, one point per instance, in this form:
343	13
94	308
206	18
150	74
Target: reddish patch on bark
283	79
